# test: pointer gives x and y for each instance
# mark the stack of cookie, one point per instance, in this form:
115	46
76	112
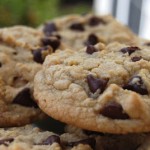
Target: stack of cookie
89	72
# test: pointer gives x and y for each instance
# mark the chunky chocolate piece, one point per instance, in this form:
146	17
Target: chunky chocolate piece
49	28
90	141
94	21
114	110
24	98
96	83
91	49
6	141
136	84
37	54
51	139
53	42
136	58
77	27
92	39
129	50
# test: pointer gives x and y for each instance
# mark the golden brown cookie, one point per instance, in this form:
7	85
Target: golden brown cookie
76	31
98	88
32	138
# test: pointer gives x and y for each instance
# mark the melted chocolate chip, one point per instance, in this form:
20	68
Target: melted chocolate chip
136	58
49	28
24	98
89	141
95	84
92	39
51	139
37	54
114	110
91	49
136	84
94	21
129	50
0	64
6	141
53	42
77	27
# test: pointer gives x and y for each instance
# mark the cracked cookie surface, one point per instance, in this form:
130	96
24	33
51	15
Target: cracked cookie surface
105	90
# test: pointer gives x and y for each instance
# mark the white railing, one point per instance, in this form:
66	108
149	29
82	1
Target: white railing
134	13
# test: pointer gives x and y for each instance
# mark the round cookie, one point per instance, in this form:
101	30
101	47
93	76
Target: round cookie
32	138
76	31
22	51
16	92
98	88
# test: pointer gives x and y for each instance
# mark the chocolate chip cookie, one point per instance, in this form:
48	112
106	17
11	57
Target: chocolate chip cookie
99	88
27	44
32	138
16	99
76	31
22	51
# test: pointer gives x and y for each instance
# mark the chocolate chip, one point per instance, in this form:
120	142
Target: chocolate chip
6	141
136	58
24	98
14	53
37	54
77	27
94	21
92	39
51	139
96	83
53	42
49	28
90	141
91	49
129	50
136	84
114	110
0	64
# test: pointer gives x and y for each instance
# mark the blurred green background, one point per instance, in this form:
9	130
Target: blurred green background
35	12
